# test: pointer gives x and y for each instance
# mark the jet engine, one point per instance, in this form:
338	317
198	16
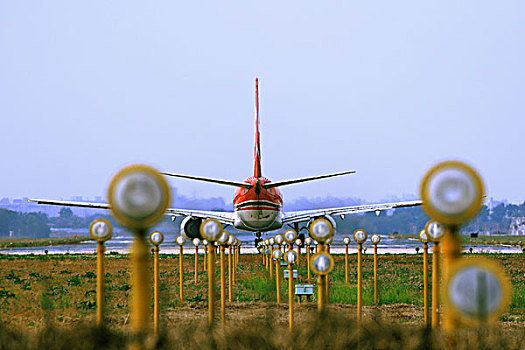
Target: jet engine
190	227
327	217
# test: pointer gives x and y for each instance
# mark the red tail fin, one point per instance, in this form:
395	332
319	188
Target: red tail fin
257	165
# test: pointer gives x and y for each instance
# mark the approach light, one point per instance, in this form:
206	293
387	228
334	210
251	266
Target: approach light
360	236
231	240
272	240
322	263
346	240
156	238
290	236
321	229
180	240
223	238
308	241
100	230
452	192
375	238
423	236
211	229
279	239
329	240
290	257
138	196
277	254
298	242
434	230
196	242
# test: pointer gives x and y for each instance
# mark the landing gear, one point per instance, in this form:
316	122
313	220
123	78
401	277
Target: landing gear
258	238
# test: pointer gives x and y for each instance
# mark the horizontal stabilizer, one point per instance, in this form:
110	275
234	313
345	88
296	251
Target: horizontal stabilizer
208	179
304	179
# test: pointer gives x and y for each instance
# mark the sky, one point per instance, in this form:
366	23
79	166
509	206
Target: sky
386	88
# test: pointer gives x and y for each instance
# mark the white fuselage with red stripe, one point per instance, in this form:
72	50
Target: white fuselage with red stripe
257	208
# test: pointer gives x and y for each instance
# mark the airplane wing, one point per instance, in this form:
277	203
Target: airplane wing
305	215
223	217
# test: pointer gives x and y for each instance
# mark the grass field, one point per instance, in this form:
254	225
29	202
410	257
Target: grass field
58	291
40	242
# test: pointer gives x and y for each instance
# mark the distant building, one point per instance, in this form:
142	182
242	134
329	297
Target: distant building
517	226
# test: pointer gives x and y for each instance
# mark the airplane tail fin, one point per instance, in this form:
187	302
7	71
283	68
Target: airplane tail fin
257	172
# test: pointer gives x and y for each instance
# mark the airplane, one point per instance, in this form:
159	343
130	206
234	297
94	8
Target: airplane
257	201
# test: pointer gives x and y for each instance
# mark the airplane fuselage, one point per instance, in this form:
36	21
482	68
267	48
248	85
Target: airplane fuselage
258	209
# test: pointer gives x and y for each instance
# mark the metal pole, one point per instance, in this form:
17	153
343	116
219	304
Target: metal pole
271	262
181	274
196	263
308	262
359	281
327	279
100	283
234	266
451	248
298	257
290	295
346	263
156	290
375	275
140	292
425	283
205	257
223	288
230	286
211	284
435	285
320	293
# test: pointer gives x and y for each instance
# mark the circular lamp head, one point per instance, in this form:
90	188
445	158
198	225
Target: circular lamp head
329	241
477	290
100	230
322	263
375	238
279	239
271	240
211	229
290	257
138	196
434	230
196	242
308	241
204	242
223	238
298	242
452	192
423	236
277	254
290	236
360	236
156	238
321	229
180	240
346	240
315	242
231	240
268	251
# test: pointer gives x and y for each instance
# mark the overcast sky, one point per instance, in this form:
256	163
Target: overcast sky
387	88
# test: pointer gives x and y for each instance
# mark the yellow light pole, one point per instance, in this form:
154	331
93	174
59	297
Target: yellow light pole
211	230
196	243
100	230
346	242
308	241
423	238
298	243
231	240
375	238
271	240
156	238
322	263
452	193
360	237
138	196
180	240
327	244
277	257
223	239
205	262
290	257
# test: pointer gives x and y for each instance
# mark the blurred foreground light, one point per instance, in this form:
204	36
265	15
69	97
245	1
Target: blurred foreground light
452	192
138	196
